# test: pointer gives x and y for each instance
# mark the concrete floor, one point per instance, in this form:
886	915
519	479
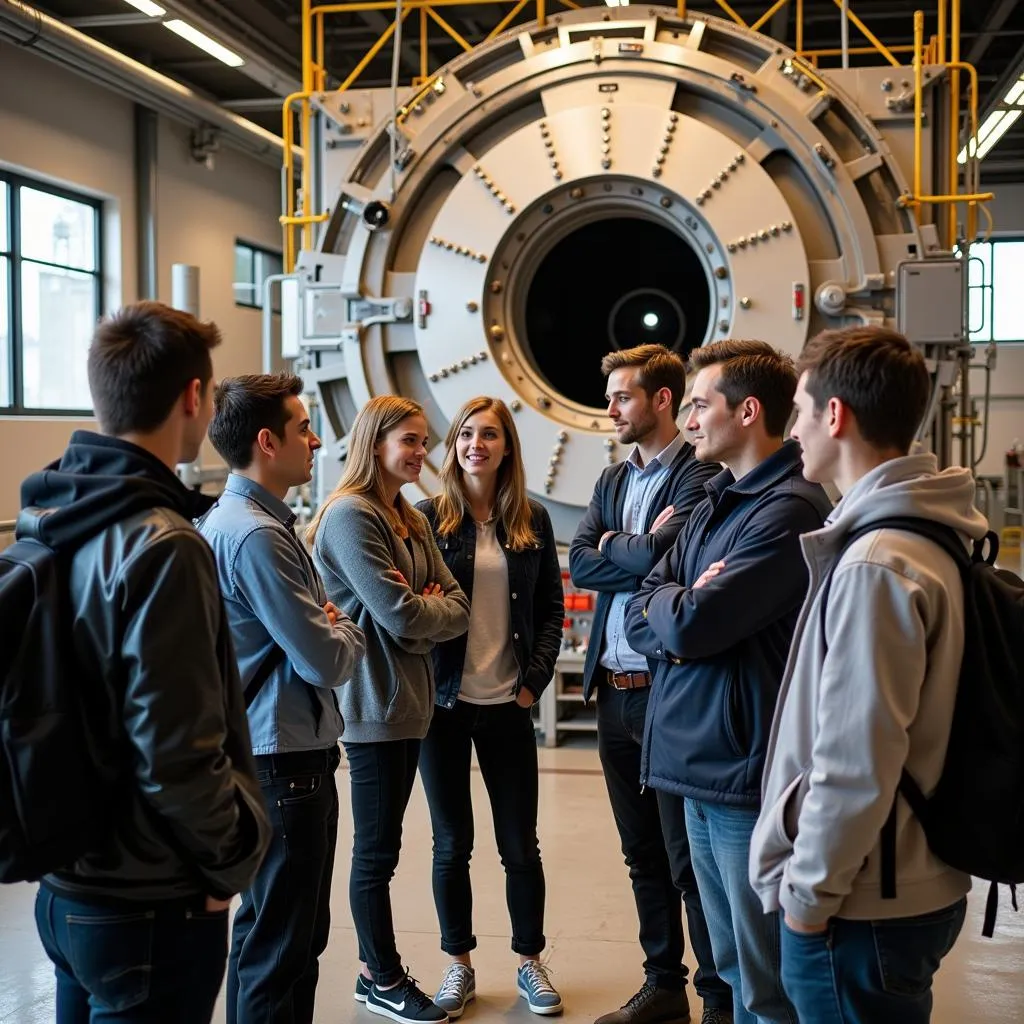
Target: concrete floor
591	923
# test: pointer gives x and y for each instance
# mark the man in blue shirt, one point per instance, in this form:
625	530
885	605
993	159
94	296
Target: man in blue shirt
638	509
294	648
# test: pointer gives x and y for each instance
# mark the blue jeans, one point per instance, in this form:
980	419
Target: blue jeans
133	963
745	940
284	921
869	972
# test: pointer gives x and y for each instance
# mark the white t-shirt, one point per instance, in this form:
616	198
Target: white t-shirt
490	671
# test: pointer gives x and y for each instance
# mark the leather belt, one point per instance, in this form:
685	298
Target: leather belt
629	680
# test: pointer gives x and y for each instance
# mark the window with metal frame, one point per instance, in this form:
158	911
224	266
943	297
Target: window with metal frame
51	295
253	265
995	300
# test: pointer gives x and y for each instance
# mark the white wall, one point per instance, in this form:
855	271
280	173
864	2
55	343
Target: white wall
61	127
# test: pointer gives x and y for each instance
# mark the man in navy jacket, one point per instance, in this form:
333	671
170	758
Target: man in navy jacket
716	618
638	508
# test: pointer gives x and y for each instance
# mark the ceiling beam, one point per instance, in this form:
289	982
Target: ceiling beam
109	20
991	27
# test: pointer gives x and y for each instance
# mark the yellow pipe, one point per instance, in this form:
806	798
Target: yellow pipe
315	218
541	15
869	35
444	24
855	50
972	163
681	8
973	197
732	14
918	99
424	69
954	118
768	15
991	223
942	32
372	52
508	19
321	62
799	26
389	5
287	137
569	3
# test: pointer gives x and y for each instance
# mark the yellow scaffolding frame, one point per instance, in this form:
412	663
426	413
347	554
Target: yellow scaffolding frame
298	225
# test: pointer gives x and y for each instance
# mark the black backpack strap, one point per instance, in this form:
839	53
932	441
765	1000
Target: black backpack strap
267	666
262	674
949	540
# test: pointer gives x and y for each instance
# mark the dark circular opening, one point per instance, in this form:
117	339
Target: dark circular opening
612	283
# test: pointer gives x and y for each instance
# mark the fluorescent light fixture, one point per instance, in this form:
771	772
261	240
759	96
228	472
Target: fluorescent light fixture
1015	93
1009	118
147	7
995	126
204	42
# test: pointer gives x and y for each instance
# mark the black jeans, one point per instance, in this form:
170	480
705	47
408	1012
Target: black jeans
133	963
507	753
382	775
284	921
653	834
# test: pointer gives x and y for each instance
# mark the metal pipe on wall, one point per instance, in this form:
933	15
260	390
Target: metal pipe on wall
33	30
147	126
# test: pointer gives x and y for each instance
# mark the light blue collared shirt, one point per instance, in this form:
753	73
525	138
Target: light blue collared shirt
642	484
274	594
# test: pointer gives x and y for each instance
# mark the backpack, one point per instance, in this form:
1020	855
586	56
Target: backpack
54	803
974	820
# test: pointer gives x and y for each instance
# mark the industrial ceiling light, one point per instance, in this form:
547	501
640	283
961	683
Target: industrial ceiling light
617	3
996	125
204	42
147	7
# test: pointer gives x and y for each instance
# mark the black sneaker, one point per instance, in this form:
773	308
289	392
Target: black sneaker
651	1006
716	1015
405	1003
362	988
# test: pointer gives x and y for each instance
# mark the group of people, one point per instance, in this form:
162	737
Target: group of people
751	736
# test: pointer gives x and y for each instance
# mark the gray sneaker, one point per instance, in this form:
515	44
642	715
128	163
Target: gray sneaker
535	987
458	987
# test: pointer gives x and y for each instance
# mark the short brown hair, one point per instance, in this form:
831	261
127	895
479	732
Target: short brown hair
243	406
140	361
752	369
878	374
659	368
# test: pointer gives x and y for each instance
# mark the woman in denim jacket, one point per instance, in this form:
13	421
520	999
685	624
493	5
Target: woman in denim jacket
500	547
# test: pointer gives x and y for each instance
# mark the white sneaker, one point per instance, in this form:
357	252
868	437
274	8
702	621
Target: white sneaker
458	987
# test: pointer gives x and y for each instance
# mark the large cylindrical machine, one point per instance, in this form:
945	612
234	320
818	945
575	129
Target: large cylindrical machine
610	178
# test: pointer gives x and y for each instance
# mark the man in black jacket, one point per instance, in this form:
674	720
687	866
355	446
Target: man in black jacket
137	927
638	508
716	618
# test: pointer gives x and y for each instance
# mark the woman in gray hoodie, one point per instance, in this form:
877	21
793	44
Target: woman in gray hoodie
379	563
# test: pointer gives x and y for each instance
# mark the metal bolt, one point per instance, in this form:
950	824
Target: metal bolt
745	302
444	373
544	402
731	247
562	437
472	306
656	172
474	360
700	200
557	175
497	332
435	377
606	163
763	236
742	243
496	287
741	157
787	226
723	325
515	405
721	273
774	229
609	443
673	118
665	201
576	193
482	355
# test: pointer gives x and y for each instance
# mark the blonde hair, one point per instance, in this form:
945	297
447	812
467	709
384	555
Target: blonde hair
513	506
362	474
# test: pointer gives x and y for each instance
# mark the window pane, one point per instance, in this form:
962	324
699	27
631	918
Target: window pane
58	314
244	277
5	242
57	230
1007	300
5	336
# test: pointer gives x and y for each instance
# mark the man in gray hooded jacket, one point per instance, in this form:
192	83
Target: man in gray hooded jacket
867	692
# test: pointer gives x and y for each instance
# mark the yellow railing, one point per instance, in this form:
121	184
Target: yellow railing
298	224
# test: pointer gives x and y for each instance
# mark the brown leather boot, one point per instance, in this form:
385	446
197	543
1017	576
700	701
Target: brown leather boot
651	1006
